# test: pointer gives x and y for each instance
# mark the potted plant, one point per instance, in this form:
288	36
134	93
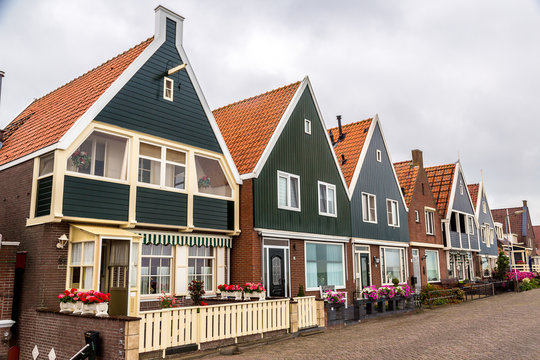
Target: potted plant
335	301
196	291
90	301
227	291
253	290
167	301
68	299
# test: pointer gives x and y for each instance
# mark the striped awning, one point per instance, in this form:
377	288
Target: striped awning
166	238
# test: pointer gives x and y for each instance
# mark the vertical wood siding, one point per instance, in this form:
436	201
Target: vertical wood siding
486	219
140	106
96	199
161	207
462	202
378	178
43	198
309	157
454	239
213	213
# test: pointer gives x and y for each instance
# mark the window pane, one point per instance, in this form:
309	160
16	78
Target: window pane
99	163
89	253
46	164
392	265
88	277
294	192
146	249
176	156
365	207
76	253
282	191
432	266
166	250
210	177
150	150
323	200
133	264
372	216
389	212
175	176
331	201
149	171
76	277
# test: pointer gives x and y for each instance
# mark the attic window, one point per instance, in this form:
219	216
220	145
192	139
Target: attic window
307	126
168	84
484	207
379	155
461	187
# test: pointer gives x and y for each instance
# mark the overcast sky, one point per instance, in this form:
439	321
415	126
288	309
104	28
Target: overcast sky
447	77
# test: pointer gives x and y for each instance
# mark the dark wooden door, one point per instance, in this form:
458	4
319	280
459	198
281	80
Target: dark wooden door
276	269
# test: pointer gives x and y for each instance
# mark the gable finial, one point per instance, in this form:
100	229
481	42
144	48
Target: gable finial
481	175
458	159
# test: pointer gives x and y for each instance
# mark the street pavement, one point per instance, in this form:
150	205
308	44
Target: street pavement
505	326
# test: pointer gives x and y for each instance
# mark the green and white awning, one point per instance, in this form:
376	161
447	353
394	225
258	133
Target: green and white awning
167	238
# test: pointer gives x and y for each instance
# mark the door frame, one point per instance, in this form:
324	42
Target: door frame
419	278
101	238
287	265
357	262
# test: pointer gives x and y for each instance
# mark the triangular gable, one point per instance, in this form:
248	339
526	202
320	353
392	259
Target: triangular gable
461	202
483	197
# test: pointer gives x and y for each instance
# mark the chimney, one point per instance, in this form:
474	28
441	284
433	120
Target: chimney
417	158
341	136
332	138
524	203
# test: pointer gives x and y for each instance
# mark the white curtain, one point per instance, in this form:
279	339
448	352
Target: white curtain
119	253
392	265
432	266
311	274
76	253
89	253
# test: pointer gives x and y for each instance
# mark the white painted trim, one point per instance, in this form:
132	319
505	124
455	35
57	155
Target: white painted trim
403	264
342	264
379	242
307	126
438	266
326	186
426	245
29	156
166	81
449	207
300	235
397	215
6	324
248	176
355	264
266	278
363	213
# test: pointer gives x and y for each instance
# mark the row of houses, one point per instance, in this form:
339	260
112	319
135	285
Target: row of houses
125	181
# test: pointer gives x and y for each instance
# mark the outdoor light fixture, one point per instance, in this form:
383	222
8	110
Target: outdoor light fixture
376	259
62	241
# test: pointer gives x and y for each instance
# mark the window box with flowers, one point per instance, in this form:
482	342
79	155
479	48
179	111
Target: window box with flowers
385	298
230	291
334	304
84	303
252	290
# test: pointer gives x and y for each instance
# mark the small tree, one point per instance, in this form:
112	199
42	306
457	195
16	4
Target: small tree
301	292
196	291
502	268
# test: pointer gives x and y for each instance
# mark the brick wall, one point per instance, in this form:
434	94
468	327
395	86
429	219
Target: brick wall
7	275
423	271
246	251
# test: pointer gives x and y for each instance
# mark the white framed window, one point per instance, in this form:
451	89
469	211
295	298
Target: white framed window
211	178
369	208
416	216
162	166
81	266
100	154
432	266
392	212
288	191
461	187
484	207
168	85
324	265
379	155
307	126
156	264
393	264
201	266
327	199
483	234
470	225
430	221
485	267
46	165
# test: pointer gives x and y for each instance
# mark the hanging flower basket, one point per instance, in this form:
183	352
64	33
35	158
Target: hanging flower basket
81	160
204	182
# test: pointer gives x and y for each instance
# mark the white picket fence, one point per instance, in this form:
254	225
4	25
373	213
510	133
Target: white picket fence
307	312
172	327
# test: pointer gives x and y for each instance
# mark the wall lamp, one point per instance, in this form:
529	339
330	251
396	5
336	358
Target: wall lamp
62	241
376	259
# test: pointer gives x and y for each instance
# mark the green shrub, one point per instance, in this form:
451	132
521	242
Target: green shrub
395	281
301	292
502	267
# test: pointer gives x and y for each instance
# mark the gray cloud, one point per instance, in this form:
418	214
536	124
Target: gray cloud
444	76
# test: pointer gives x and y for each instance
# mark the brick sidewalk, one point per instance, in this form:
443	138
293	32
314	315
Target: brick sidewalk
506	326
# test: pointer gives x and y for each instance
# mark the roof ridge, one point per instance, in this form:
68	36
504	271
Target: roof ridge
89	71
402	162
352	123
256	96
435	166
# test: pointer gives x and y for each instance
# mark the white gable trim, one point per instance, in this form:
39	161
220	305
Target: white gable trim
449	206
478	201
362	157
29	156
479	206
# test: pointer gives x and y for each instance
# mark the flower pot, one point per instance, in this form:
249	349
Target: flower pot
102	309
67	307
78	309
237	295
89	309
257	295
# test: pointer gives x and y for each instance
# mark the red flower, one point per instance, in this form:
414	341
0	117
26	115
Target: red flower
203	303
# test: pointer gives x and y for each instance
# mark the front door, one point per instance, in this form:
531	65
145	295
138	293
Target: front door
115	274
276	272
416	269
363	277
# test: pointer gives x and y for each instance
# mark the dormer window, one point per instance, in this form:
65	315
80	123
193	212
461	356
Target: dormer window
307	126
379	155
168	84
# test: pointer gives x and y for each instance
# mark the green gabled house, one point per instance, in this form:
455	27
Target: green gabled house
294	202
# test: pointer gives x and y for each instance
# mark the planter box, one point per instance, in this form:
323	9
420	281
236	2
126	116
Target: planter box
67	308
255	295
237	295
334	313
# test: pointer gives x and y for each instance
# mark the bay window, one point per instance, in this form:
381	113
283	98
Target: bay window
201	266
156	261
324	265
392	264
211	178
369	209
392	213
432	266
327	199
162	166
288	191
81	267
100	154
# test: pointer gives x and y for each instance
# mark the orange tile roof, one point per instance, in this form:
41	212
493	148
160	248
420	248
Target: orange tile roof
407	174
440	179
351	146
248	125
473	190
47	119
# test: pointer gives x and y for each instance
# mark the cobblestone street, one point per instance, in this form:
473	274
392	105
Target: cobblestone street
502	327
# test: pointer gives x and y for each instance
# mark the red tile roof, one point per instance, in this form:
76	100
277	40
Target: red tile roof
407	174
248	125
47	119
351	146
473	190
440	179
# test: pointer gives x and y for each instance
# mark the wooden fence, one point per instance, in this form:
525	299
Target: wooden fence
172	327
307	312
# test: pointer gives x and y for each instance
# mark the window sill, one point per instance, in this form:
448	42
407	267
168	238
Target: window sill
221	197
290	209
328	215
96	177
369	222
159	187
